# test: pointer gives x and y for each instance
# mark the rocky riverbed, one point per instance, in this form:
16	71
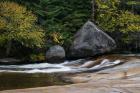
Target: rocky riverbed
120	78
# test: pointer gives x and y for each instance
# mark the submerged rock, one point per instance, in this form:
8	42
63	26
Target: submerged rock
90	40
55	54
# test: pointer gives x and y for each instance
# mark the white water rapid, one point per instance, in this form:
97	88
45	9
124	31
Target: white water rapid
68	66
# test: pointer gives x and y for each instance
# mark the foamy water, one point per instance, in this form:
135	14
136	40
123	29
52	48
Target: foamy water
67	66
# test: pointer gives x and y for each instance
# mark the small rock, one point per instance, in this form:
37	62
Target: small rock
55	54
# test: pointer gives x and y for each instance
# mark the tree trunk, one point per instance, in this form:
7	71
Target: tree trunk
8	49
93	10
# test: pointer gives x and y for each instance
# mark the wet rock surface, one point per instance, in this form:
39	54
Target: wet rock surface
90	40
122	78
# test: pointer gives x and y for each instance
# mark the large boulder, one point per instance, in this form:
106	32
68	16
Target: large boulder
90	41
55	54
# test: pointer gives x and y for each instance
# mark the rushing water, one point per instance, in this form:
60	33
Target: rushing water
67	66
41	67
45	74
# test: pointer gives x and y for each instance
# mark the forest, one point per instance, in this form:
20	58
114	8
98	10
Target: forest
29	27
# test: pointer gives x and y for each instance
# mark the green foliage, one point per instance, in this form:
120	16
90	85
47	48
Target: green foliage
66	17
63	17
115	20
18	24
120	22
128	22
133	3
37	57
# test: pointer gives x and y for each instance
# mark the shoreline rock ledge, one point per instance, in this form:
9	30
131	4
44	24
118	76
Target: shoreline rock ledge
90	41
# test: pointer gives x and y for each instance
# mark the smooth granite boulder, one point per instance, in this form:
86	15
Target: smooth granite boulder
90	41
55	54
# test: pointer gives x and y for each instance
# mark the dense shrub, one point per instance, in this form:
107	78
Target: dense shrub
112	18
17	24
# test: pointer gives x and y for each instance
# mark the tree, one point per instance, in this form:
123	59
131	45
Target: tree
115	20
19	24
61	18
93	9
66	17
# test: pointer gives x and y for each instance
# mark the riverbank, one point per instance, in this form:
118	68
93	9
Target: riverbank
123	78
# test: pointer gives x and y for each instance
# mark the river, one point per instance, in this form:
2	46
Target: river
46	74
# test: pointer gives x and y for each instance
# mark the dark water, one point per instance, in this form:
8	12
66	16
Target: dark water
28	80
32	75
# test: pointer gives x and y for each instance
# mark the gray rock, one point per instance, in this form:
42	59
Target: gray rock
55	54
90	41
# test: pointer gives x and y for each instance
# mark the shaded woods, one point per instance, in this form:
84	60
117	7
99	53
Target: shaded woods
29	28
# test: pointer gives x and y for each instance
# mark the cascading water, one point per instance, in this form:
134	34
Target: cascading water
68	66
46	74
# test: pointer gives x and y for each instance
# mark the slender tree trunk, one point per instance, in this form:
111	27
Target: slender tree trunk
8	49
93	10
